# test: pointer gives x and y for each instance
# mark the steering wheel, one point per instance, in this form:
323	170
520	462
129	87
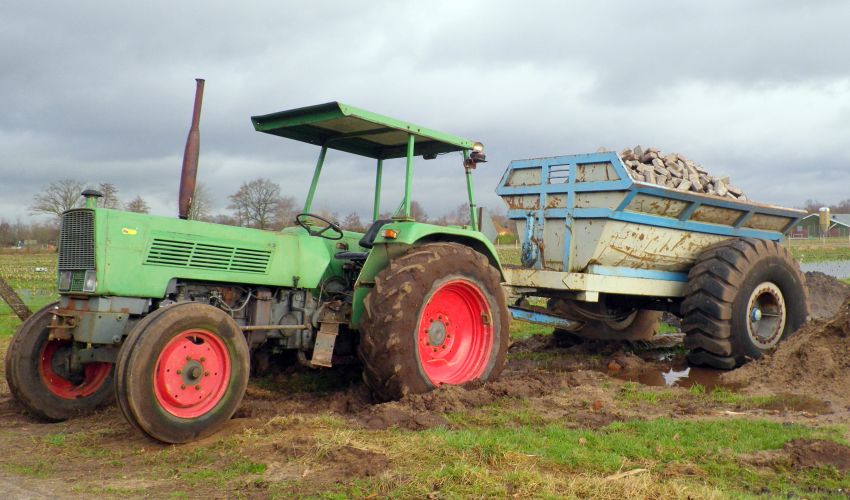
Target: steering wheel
301	220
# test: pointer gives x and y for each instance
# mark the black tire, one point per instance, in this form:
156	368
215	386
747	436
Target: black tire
639	324
395	310
728	282
145	392
44	392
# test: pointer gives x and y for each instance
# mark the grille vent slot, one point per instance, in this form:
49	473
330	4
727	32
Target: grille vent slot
166	252
76	240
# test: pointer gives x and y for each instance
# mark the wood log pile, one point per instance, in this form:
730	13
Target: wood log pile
676	172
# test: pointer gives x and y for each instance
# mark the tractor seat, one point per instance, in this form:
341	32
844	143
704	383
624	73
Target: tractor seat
367	241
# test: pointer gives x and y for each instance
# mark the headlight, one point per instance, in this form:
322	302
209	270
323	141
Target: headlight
91	281
64	281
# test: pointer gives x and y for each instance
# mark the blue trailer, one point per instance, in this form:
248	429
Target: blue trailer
610	253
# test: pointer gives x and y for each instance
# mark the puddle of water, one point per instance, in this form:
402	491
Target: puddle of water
674	375
838	268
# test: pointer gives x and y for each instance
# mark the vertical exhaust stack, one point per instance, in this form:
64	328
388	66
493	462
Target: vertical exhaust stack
190	156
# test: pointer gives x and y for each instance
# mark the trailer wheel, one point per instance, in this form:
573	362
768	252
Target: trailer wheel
437	315
39	378
182	372
637	324
743	297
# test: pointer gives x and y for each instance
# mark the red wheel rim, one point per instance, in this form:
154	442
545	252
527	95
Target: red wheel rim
455	333
192	373
94	374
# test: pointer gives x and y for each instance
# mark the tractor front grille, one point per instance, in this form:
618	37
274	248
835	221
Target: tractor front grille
76	241
196	255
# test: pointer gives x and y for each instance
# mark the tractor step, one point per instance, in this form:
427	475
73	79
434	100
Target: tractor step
324	348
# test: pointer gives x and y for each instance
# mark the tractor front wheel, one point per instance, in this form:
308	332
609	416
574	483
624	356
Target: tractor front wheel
182	372
436	315
42	379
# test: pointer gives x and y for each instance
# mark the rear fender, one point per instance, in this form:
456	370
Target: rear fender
413	234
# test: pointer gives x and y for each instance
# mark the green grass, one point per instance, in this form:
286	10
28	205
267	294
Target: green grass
36	288
821	253
709	445
38	469
521	330
509	254
664	328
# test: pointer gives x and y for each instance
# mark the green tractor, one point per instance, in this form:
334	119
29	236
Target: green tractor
167	314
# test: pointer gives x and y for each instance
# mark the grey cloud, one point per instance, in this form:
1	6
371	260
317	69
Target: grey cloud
103	92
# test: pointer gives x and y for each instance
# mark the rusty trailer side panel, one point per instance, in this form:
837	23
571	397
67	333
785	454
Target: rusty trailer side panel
584	214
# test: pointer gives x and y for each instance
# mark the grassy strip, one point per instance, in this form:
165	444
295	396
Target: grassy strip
33	276
820	254
668	458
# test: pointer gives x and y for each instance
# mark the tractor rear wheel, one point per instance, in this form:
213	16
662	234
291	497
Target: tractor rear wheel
632	324
743	297
40	377
182	372
436	315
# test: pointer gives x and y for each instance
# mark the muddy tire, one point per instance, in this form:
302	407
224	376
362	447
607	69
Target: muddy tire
743	297
640	324
38	378
182	372
437	315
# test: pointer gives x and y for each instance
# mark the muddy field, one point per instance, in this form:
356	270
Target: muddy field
586	419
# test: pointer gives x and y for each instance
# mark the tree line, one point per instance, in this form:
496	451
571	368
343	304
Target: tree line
842	207
257	203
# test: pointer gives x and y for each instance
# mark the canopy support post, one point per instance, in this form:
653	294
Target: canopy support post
473	212
378	173
408	178
321	161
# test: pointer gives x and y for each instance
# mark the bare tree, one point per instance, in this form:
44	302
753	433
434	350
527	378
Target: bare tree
58	197
813	206
460	217
110	195
138	205
285	212
227	220
417	212
256	203
201	204
352	222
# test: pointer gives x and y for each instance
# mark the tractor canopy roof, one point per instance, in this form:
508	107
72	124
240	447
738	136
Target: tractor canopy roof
346	128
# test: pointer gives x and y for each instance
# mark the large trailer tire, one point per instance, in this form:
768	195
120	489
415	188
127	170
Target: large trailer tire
182	372
639	324
743	297
38	380
437	315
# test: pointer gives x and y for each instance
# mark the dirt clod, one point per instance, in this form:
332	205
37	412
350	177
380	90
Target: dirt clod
357	462
809	453
423	411
814	361
826	294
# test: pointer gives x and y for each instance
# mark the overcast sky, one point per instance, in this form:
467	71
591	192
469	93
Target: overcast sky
102	91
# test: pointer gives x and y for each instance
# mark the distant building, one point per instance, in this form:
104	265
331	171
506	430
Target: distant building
809	227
